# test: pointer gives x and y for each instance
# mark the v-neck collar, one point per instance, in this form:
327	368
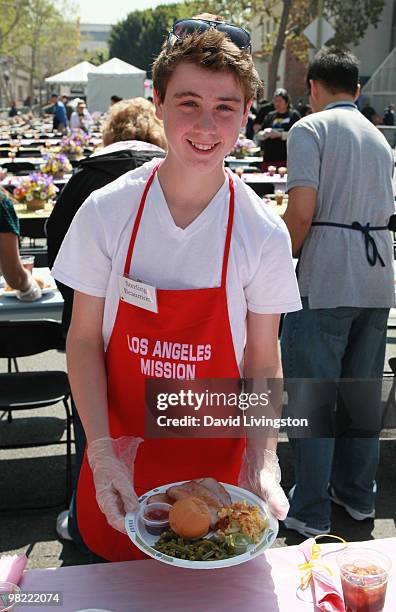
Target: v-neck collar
157	198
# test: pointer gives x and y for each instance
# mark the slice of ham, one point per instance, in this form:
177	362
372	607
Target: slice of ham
213	485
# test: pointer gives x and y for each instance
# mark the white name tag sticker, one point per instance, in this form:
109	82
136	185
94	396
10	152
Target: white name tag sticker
138	293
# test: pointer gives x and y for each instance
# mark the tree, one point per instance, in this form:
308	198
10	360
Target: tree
13	22
49	43
138	38
35	37
350	21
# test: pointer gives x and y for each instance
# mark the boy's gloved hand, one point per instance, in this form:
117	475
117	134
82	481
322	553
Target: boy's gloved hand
32	293
260	473
112	462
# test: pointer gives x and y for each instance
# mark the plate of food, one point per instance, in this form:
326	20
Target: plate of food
45	285
201	524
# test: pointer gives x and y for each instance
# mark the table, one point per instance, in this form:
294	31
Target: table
49	306
279	182
234	162
265	584
32	160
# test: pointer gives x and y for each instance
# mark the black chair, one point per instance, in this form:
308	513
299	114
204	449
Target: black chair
19	167
34	389
29	152
32	227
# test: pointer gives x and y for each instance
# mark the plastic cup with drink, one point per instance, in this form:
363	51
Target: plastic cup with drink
27	262
279	197
364	578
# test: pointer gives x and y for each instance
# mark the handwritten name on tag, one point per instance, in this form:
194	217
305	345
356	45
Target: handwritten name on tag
138	293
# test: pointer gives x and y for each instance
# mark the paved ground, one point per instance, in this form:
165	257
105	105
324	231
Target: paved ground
35	477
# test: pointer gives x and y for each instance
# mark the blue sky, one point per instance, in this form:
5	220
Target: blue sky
94	11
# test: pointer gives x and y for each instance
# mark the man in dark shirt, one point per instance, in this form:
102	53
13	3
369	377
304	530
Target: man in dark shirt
60	121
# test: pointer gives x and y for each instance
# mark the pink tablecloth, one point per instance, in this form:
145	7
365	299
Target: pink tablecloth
266	584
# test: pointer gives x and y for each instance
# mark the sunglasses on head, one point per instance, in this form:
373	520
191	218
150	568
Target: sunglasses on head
184	27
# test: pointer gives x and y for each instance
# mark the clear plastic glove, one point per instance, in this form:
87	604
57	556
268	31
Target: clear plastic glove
32	293
261	474
112	462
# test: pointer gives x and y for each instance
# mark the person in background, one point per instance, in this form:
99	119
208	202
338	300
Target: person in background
340	201
13	109
264	107
15	275
221	265
389	115
132	135
370	113
114	99
81	118
275	129
60	121
68	106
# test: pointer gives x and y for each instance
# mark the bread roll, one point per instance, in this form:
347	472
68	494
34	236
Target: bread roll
190	517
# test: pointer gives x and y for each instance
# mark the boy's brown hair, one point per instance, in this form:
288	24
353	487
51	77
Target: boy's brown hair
212	50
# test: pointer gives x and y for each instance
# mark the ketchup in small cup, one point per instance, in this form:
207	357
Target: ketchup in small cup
156	517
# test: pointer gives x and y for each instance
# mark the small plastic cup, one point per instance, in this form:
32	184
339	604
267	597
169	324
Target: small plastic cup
364	578
8	590
28	262
155	517
279	197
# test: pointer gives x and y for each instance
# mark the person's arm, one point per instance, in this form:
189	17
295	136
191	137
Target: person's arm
14	273
262	360
260	471
111	459
86	364
299	214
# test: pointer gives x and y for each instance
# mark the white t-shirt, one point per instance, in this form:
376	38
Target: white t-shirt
260	275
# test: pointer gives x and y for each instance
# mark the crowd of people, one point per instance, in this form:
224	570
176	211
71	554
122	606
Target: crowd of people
157	206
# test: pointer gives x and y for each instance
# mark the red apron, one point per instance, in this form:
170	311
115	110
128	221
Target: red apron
193	316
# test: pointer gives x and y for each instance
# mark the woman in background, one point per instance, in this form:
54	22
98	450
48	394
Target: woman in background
275	128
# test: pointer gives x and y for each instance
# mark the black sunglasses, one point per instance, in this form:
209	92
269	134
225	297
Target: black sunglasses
184	27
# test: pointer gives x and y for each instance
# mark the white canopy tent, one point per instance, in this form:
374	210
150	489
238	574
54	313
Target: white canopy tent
381	87
76	76
114	77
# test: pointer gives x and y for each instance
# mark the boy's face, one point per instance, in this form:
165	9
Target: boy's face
203	112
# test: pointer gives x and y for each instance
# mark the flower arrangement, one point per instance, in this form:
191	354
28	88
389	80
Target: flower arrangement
56	164
73	144
35	189
242	146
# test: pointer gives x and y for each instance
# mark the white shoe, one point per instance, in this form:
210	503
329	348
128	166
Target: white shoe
62	525
355	514
292	523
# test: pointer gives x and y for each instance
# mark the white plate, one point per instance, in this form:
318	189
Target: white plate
14	292
144	541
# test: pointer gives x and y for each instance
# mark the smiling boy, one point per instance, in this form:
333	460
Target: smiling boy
218	266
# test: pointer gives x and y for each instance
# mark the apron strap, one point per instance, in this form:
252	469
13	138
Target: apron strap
128	259
127	266
229	231
372	253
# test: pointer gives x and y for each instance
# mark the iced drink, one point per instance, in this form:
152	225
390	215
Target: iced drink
364	577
